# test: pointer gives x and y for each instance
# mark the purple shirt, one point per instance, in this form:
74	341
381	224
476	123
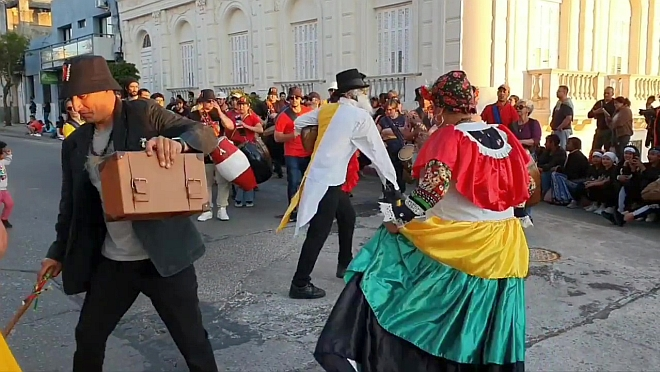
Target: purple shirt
531	130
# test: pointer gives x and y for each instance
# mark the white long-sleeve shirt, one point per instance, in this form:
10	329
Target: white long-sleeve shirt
3	171
350	129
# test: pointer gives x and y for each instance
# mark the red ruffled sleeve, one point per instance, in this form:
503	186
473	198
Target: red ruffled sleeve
353	174
491	181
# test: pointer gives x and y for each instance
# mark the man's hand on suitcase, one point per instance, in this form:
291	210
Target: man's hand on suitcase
166	150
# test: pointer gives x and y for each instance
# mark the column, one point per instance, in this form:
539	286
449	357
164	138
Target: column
569	29
638	36
501	42
477	41
653	39
201	47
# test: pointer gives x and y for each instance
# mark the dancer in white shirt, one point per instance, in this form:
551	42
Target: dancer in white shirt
343	128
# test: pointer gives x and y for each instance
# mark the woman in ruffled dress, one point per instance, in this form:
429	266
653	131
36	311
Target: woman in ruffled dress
440	287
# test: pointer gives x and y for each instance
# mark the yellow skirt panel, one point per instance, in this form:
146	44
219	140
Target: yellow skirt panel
7	361
489	250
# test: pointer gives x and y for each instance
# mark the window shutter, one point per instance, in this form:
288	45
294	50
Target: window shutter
305	40
240	49
394	30
188	64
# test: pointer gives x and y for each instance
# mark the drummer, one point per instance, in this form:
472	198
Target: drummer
248	125
392	126
209	113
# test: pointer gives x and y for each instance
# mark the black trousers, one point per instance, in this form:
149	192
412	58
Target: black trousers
115	286
335	204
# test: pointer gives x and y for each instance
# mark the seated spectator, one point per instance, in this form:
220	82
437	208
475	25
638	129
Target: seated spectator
630	180
595	170
568	179
35	127
550	157
603	190
641	175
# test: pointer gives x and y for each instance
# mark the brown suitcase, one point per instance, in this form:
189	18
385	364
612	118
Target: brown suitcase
136	187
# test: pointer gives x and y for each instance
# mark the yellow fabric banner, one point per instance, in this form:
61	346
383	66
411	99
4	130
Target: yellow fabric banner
326	113
488	249
7	361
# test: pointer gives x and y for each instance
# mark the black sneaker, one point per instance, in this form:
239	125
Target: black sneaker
341	271
7	224
615	218
293	217
308	292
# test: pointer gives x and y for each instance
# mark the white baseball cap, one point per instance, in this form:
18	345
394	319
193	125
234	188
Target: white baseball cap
333	85
221	95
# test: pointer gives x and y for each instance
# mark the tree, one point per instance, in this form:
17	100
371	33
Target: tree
123	72
12	64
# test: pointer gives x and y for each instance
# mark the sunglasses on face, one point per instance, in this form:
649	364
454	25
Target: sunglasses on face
69	108
519	107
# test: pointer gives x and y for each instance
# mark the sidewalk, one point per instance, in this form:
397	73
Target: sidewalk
20	131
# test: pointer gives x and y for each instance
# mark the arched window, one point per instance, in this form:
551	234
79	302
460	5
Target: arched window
146	42
146	63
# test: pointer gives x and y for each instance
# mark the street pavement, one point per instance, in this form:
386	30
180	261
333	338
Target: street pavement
595	309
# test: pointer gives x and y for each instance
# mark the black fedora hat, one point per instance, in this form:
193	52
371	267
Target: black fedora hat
87	74
206	95
350	79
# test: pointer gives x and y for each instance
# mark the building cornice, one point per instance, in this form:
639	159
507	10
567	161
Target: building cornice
131	9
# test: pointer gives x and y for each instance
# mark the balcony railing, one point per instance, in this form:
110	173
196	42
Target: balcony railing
637	88
307	86
183	92
99	44
385	83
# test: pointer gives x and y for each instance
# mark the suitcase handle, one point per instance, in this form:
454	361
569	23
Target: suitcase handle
194	187
140	188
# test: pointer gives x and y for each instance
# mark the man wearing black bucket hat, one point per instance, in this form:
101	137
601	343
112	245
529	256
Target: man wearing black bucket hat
343	128
113	262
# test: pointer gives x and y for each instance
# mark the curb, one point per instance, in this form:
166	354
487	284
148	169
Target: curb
14	134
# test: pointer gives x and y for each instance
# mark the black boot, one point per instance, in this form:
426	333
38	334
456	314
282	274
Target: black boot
307	292
341	271
7	224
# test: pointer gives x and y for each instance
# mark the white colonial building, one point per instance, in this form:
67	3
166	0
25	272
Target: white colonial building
533	45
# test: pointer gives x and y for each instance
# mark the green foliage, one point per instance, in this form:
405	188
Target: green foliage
124	71
12	56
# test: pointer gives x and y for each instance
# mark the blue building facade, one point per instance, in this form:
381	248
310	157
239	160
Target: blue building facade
79	27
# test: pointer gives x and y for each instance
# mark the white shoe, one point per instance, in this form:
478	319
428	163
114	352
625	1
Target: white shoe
609	210
222	214
651	217
573	204
591	208
599	210
205	216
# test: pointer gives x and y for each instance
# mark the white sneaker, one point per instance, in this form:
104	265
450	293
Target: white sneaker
599	210
222	214
205	216
573	204
592	207
651	217
609	210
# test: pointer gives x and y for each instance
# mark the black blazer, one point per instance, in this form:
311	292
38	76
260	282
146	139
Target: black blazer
576	167
173	244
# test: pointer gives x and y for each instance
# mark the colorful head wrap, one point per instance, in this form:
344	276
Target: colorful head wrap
453	92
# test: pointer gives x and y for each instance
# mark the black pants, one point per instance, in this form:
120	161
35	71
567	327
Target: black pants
393	148
115	286
602	140
335	204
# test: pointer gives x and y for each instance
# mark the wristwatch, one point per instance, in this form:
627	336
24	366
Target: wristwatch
182	142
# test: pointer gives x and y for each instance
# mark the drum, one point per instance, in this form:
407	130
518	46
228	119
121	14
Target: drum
308	136
232	165
536	176
259	160
406	153
270	131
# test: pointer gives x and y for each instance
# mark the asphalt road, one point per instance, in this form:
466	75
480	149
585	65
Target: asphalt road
596	309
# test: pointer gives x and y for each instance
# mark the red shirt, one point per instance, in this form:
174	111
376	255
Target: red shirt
239	135
353	174
37	125
508	114
284	124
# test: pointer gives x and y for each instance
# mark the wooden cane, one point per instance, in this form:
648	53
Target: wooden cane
27	302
